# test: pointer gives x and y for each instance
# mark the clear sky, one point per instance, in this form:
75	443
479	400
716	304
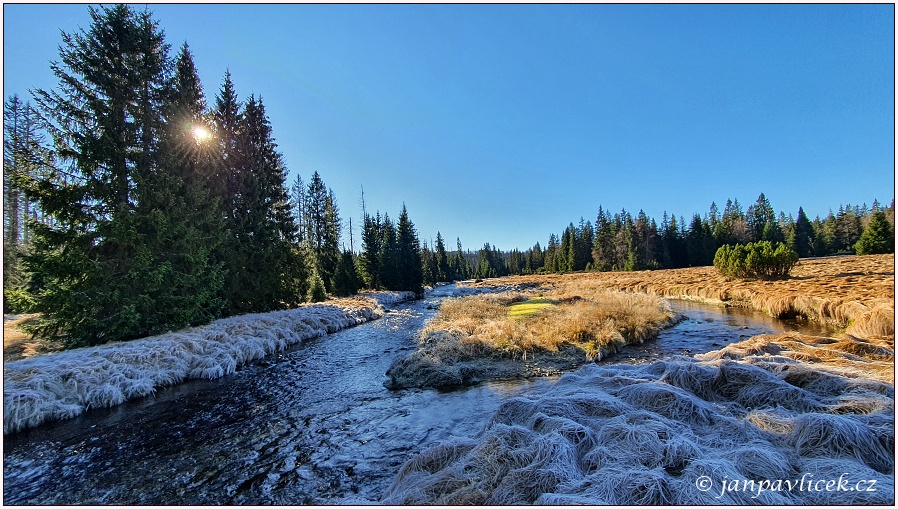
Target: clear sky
502	124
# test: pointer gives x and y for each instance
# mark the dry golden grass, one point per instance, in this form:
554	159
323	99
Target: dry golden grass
852	292
596	320
19	345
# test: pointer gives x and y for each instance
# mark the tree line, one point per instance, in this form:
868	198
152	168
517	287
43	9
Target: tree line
624	242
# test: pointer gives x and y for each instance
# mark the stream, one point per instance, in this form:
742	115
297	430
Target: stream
311	425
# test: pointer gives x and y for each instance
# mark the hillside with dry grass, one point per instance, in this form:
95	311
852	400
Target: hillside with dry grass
19	345
856	293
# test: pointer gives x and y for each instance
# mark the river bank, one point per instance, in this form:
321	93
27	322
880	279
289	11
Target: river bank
64	384
474	339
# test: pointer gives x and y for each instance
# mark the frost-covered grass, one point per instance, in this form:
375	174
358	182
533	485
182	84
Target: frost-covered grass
65	384
646	434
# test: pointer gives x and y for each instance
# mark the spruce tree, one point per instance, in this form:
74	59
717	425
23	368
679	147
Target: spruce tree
179	210
266	228
802	239
761	220
848	229
645	246
625	242
388	257
442	260
428	266
346	279
484	262
329	256
585	240
878	237
225	186
96	261
317	292
700	245
565	256
408	255
298	203
369	260
459	265
535	258
674	244
316	209
551	254
323	228
602	247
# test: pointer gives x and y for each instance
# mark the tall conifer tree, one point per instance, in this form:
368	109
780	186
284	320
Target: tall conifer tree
96	269
184	228
369	260
442	259
802	238
265	222
409	255
388	256
225	187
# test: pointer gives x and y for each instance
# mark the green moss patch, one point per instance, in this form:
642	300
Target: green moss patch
526	308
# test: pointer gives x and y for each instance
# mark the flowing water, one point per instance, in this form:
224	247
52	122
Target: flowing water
312	425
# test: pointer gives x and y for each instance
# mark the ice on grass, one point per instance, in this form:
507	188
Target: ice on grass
646	434
65	384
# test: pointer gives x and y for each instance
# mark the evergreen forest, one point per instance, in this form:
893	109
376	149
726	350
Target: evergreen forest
135	205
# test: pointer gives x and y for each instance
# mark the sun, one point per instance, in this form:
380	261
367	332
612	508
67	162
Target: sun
201	134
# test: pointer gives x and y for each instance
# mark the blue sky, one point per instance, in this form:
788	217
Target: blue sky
502	124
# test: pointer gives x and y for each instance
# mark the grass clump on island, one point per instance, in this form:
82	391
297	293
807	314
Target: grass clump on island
515	326
513	335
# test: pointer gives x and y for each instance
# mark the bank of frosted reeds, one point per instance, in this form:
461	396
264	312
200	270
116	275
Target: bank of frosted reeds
65	384
647	434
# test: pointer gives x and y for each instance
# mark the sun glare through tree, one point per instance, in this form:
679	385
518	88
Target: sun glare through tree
201	134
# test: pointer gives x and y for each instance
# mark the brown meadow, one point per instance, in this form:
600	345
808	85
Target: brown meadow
854	293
